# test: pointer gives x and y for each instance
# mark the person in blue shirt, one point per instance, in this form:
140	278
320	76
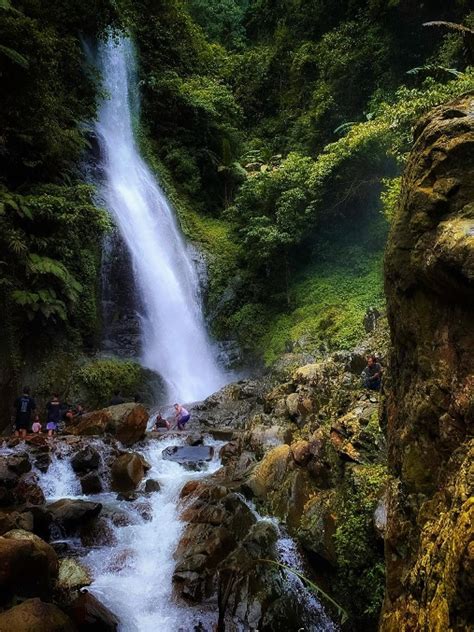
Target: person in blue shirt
24	406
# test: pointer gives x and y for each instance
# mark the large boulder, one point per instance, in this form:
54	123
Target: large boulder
69	514
126	422
91	483
89	615
429	406
34	615
127	471
39	544
25	569
230	407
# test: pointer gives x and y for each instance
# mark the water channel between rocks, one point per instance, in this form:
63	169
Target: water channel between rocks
133	574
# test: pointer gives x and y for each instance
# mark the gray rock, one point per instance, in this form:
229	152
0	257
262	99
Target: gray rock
85	460
91	483
152	486
191	457
69	514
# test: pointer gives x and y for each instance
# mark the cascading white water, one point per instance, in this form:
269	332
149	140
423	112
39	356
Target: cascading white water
175	342
132	573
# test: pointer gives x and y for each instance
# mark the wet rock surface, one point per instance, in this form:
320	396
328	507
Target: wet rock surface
193	457
127	471
89	615
69	514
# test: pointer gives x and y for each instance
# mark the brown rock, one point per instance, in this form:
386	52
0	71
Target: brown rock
126	422
16	520
34	615
127	471
429	408
28	491
39	544
300	451
24	569
89	615
91	483
70	514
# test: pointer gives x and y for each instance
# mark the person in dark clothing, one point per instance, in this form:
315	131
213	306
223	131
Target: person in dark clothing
116	399
24	406
372	374
79	411
53	410
161	423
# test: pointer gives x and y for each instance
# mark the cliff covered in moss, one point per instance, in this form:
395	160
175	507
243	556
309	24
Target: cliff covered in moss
429	405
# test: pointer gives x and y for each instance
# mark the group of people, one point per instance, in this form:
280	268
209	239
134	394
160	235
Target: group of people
27	419
181	418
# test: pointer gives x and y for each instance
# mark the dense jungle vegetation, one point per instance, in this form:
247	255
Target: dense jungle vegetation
279	130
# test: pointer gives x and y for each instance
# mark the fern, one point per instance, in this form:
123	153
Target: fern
15	56
452	26
433	68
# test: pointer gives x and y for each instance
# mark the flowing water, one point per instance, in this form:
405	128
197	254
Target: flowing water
133	574
132	568
175	342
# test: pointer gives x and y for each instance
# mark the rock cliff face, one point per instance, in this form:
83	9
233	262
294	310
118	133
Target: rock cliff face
429	406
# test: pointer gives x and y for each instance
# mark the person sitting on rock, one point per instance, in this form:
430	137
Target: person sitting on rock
24	406
182	416
37	427
161	423
372	374
53	410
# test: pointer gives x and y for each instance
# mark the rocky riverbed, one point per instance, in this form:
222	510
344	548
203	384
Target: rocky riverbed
266	472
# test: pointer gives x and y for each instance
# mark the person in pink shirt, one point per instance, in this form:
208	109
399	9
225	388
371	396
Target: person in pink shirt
182	416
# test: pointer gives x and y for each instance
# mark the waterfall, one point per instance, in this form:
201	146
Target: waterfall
174	339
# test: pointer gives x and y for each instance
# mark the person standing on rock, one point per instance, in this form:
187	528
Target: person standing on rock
182	416
372	374
24	406
53	410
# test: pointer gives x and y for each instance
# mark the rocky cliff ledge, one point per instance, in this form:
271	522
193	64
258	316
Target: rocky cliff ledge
429	406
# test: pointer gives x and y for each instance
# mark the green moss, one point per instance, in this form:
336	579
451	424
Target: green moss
360	578
97	381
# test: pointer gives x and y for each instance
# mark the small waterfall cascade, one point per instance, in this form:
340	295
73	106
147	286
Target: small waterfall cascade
132	573
175	343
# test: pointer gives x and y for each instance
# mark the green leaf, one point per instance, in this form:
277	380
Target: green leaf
15	56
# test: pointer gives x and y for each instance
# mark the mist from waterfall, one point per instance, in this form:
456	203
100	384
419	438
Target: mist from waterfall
174	339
